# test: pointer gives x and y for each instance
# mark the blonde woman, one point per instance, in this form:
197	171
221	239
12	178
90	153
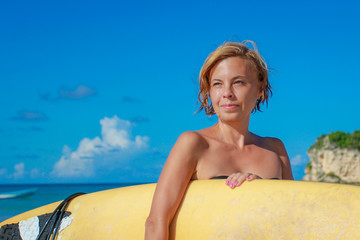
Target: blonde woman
233	84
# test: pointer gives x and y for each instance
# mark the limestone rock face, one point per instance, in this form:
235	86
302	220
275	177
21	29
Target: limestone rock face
330	163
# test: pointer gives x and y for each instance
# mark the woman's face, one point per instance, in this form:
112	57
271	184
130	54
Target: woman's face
234	89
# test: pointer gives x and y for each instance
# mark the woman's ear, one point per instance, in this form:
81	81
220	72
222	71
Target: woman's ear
261	92
262	87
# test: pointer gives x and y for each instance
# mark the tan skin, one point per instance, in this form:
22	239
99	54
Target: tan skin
226	149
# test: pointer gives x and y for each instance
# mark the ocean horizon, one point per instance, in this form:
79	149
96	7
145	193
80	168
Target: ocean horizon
46	194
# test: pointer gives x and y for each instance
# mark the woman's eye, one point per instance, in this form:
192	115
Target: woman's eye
239	82
216	84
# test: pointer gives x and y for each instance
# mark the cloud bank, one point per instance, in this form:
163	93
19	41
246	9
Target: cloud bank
20	173
299	160
64	92
25	115
79	92
114	147
19	170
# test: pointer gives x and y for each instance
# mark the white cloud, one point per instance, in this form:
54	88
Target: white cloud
79	92
25	115
299	160
115	145
19	170
64	92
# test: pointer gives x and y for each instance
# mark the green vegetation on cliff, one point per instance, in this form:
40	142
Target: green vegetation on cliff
319	143
346	140
309	166
340	139
333	175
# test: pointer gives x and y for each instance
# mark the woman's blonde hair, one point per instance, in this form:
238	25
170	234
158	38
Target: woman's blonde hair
233	49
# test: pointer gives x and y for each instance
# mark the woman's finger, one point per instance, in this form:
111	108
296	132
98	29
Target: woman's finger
232	178
251	177
235	180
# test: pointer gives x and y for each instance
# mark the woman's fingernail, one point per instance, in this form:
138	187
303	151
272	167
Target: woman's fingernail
227	182
248	178
236	183
231	185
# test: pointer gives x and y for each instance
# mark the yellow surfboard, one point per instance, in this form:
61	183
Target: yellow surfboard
261	209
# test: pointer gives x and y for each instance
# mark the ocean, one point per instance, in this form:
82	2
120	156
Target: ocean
46	194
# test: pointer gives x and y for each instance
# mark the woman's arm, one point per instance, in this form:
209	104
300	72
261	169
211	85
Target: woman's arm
172	184
286	172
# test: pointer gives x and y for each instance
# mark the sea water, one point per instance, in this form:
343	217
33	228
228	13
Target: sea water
46	194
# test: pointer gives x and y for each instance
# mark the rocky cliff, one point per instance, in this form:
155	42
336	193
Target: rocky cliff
335	158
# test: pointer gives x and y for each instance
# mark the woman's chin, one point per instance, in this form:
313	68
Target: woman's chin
233	117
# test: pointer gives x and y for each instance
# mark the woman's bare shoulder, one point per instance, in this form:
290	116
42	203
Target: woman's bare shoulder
271	143
275	144
193	140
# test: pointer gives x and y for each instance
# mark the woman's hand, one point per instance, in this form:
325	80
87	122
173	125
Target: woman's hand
236	179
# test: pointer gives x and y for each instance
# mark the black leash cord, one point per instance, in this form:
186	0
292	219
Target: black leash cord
58	213
60	219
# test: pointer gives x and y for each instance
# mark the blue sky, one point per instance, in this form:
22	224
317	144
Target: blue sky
99	91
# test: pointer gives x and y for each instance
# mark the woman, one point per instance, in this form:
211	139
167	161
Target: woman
233	84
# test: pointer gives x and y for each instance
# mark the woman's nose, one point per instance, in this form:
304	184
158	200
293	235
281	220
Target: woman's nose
228	93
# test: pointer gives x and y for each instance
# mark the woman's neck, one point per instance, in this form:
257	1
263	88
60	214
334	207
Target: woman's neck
234	133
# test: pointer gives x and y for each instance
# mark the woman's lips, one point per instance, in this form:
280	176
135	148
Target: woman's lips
228	106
